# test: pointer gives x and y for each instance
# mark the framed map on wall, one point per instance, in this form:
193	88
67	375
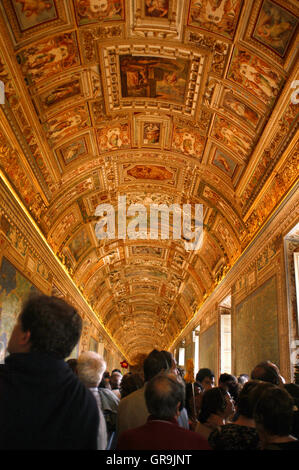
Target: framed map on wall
255	328
208	349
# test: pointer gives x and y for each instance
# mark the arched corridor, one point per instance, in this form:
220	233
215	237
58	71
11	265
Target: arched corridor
110	109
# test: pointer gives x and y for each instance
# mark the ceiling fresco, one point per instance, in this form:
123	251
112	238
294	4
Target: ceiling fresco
163	102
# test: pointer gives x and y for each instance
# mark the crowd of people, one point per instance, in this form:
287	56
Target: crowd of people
49	402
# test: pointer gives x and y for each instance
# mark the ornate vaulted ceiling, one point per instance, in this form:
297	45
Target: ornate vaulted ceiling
163	101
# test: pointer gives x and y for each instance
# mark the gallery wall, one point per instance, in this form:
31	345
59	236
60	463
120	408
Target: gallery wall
28	265
264	316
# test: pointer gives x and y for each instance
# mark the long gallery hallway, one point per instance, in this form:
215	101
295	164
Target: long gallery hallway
116	119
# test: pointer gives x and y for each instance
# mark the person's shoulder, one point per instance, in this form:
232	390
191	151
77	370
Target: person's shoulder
79	392
3	374
290	445
196	438
108	393
132	397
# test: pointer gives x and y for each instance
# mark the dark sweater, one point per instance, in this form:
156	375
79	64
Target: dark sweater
43	405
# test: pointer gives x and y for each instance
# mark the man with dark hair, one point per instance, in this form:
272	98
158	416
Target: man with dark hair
229	383
164	395
273	415
43	405
205	378
132	410
115	381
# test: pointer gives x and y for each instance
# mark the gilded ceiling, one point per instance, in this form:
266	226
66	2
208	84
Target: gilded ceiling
161	101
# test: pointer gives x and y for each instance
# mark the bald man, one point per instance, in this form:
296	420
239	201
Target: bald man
164	396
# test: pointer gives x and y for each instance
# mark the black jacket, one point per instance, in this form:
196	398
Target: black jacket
43	405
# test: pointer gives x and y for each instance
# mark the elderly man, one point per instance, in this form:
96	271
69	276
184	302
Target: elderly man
164	396
205	378
43	405
132	411
267	372
90	369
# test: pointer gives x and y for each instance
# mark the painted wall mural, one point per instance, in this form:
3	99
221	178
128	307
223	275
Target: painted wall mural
258	343
14	289
93	344
80	243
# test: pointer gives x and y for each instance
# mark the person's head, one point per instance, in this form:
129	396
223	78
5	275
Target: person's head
46	325
229	383
244	404
105	382
273	411
243	378
90	368
130	383
172	365
205	378
281	379
213	403
265	372
230	406
226	380
164	396
155	362
115	379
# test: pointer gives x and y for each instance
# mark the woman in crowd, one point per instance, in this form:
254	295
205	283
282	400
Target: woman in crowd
241	434
217	408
